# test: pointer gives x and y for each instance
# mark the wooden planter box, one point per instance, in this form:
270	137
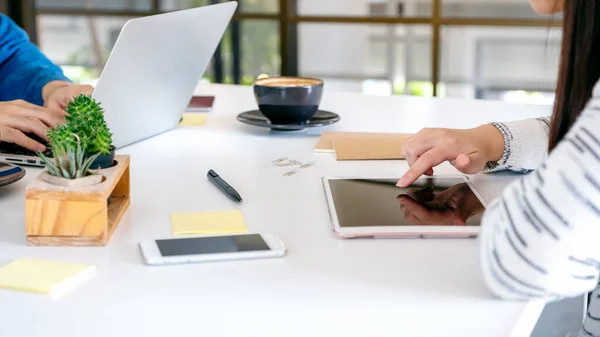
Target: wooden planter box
81	216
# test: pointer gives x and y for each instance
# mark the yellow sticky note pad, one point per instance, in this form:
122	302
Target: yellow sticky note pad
208	223
190	119
44	277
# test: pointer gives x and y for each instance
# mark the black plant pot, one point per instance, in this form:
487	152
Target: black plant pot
104	160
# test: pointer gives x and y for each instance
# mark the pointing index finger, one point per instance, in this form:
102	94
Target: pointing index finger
422	165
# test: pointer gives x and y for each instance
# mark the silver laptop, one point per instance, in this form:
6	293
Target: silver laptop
151	74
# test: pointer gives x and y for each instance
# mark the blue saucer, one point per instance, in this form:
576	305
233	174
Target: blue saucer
10	173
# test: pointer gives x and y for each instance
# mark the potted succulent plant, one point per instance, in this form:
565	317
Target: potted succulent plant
86	120
82	155
69	166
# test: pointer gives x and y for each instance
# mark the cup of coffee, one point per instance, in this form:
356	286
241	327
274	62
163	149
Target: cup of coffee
288	100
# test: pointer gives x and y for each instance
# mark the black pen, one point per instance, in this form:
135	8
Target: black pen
223	186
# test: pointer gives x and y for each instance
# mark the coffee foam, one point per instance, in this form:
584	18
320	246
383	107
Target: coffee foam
287	82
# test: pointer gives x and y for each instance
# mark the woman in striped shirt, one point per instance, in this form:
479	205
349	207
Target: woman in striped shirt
540	239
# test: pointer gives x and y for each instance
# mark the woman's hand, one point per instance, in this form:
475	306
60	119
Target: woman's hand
17	118
57	94
468	150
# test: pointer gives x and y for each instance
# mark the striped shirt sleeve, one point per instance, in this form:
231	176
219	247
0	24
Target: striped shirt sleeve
541	238
525	145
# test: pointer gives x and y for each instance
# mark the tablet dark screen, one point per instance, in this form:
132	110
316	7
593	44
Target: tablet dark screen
428	202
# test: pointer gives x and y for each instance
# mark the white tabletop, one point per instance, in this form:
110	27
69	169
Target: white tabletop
325	286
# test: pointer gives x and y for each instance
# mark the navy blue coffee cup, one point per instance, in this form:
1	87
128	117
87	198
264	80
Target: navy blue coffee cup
288	100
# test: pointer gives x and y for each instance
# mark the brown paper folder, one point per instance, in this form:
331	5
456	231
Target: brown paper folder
362	145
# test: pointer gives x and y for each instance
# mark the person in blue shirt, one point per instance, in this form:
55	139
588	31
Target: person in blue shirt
33	91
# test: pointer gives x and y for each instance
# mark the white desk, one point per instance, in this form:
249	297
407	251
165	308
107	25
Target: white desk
324	287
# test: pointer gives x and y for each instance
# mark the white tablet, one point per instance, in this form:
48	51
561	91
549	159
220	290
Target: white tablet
438	206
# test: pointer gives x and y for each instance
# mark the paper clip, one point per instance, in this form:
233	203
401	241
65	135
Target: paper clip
283	164
301	167
307	165
291	173
277	161
295	162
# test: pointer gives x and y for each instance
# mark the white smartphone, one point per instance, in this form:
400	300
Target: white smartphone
211	249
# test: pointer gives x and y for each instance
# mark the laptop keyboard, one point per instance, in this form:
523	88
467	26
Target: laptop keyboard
10	148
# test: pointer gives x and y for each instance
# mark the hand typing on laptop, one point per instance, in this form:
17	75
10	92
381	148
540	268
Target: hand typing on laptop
57	94
33	92
19	118
27	74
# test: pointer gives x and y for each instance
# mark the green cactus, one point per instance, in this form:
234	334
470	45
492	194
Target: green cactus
79	141
86	119
69	156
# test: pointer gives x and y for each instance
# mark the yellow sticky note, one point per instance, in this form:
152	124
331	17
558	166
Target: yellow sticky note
189	119
44	277
208	223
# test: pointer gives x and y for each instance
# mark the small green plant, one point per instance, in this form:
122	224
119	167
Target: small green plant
78	142
69	156
86	120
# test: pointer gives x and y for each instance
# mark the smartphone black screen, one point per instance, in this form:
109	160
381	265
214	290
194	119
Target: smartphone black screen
212	245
